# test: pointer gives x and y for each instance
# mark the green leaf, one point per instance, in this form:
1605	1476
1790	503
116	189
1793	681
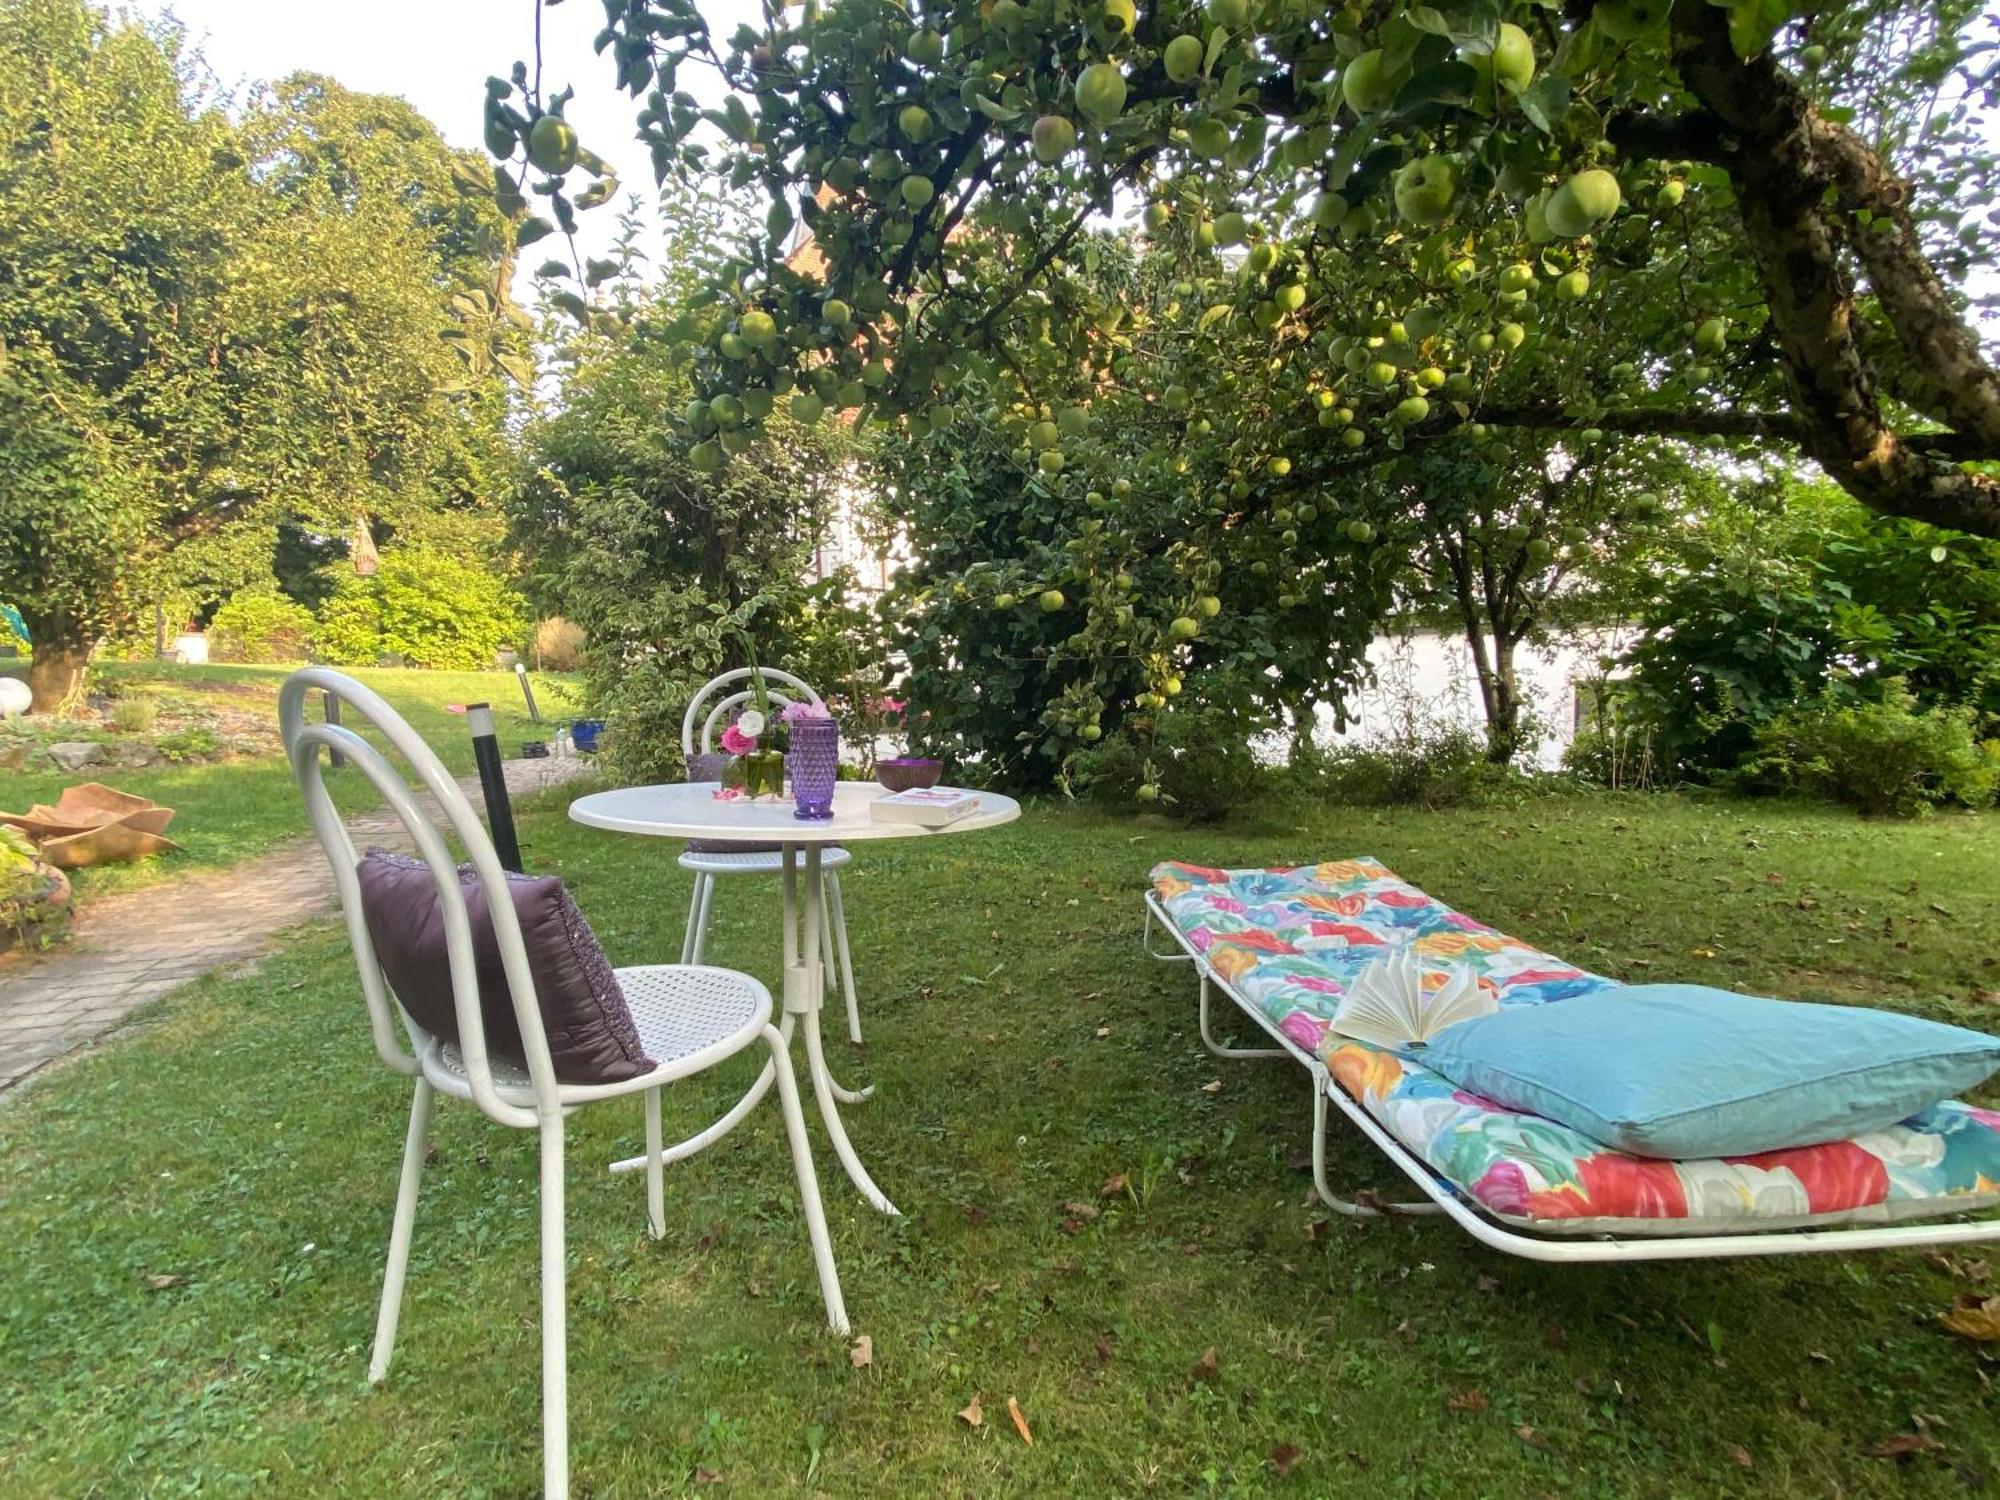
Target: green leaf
1546	103
532	229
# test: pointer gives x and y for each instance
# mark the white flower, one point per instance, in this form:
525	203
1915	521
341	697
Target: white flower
750	723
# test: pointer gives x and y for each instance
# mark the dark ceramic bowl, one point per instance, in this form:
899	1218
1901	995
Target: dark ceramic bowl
907	773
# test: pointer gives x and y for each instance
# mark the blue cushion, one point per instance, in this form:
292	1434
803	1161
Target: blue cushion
1683	1071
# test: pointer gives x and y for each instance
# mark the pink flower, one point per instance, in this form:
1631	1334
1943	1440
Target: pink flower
791	713
736	742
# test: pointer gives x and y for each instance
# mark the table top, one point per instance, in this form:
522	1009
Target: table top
691	810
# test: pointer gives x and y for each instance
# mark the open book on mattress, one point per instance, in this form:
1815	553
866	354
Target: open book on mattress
1388	1004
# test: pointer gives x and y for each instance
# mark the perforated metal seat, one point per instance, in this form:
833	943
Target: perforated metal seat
756	862
683	1014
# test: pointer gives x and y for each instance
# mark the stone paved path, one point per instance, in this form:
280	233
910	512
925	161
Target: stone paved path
134	947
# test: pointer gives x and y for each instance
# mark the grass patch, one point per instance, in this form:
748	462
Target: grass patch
230	809
197	1214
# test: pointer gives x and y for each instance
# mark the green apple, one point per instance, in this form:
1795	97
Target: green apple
1360	532
1517	276
1053	136
758	327
552	145
1582	203
1290	297
1511	335
1044	435
1184	628
1381	372
917	191
1183	58
1100	93
1412	410
1050	461
1261	258
1712	335
1279	467
1573	284
1328	210
1210	138
1424	189
1671	192
925	49
1513	58
1231	228
1149	793
1353	437
916	124
1158	216
1176	398
1368	86
1074	421
1052	600
1231	15
1120	16
837	313
705	458
1430	378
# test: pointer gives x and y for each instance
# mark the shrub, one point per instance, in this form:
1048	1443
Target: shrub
1440	767
422	607
1885	758
259	624
557	645
134	715
1198	756
195	742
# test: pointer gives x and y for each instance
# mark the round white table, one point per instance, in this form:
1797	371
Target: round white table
691	810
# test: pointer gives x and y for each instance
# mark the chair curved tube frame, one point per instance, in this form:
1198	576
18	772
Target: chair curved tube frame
545	1102
1443	1200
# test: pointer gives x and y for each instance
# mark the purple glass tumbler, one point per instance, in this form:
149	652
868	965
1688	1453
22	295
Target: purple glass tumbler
815	766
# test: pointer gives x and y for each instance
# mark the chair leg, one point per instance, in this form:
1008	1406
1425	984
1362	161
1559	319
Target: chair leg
701	920
555	1336
656	1191
694	918
795	1130
399	1234
839	926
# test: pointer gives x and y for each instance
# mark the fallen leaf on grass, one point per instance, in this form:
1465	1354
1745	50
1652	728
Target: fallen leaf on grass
1473	1401
703	1474
1113	1185
1020	1422
1903	1444
1740	1456
1207	1368
1298	1159
1316	1229
862	1355
1974	1317
1081	1210
972	1416
164	1282
1531	1437
1103	1032
710	1237
1104	1348
1213	1086
1554	1337
1284	1459
1487	1283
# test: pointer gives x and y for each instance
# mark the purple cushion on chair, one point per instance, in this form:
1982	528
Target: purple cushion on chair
589	1027
711	765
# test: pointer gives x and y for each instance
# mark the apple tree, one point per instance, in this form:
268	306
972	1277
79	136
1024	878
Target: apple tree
1395	227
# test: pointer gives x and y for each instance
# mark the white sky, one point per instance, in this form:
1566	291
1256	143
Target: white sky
437	54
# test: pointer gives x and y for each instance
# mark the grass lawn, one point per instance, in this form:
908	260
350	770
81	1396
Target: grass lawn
196	1216
229	809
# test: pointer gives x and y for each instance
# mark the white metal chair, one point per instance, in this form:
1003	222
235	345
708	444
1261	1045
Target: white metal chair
712	865
689	1018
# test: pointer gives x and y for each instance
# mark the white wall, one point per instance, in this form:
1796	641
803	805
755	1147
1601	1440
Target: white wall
1425	681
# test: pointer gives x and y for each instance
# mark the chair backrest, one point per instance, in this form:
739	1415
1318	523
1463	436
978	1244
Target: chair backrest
776	682
303	743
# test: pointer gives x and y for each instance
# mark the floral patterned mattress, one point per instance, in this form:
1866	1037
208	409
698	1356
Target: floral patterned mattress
1289	941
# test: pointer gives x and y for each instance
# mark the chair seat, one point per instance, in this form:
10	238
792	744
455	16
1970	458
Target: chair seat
756	863
688	1016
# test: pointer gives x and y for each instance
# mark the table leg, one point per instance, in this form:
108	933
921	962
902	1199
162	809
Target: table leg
805	990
